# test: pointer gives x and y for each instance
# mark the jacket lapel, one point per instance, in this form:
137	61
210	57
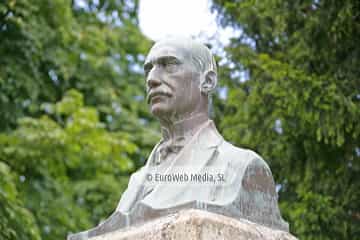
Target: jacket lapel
194	157
135	186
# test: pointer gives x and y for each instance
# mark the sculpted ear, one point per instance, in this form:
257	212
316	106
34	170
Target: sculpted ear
208	83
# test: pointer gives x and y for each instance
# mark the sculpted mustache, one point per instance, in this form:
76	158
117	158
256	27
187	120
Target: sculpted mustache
152	94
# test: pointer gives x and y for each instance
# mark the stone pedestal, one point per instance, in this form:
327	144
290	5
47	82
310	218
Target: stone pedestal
196	225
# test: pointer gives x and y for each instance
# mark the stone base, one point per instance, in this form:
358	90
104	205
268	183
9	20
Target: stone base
197	225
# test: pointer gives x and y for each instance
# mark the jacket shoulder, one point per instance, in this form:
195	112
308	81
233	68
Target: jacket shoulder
240	156
248	165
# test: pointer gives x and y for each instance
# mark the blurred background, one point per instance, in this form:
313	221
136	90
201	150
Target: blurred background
74	123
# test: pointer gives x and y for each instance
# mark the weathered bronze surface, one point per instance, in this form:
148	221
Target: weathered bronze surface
194	166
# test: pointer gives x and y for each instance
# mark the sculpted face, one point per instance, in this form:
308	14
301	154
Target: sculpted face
172	82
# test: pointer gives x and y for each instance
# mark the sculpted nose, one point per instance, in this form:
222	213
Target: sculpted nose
152	80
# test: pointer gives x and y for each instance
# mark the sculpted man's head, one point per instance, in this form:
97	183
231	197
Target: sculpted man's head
180	74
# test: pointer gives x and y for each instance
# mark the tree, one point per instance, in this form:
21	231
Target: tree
49	47
16	221
73	125
292	80
70	172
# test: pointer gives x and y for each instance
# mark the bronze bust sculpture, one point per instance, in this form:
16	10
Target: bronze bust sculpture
192	166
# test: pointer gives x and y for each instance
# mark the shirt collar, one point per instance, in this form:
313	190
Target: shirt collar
185	128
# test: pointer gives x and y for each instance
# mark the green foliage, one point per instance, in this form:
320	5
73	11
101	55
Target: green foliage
51	46
299	108
16	221
71	171
73	123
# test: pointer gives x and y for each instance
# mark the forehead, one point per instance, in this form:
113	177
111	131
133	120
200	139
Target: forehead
166	50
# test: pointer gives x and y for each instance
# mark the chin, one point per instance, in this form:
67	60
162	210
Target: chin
160	109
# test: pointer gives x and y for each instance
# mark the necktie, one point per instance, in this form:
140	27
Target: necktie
171	147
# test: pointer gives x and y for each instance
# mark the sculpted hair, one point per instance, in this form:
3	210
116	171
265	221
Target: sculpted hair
202	58
198	53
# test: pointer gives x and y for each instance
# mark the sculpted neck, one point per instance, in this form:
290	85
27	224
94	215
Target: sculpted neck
183	128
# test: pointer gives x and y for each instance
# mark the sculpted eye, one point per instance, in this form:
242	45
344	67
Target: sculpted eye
170	64
147	68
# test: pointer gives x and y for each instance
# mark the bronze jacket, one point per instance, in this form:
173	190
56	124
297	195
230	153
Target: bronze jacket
248	191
